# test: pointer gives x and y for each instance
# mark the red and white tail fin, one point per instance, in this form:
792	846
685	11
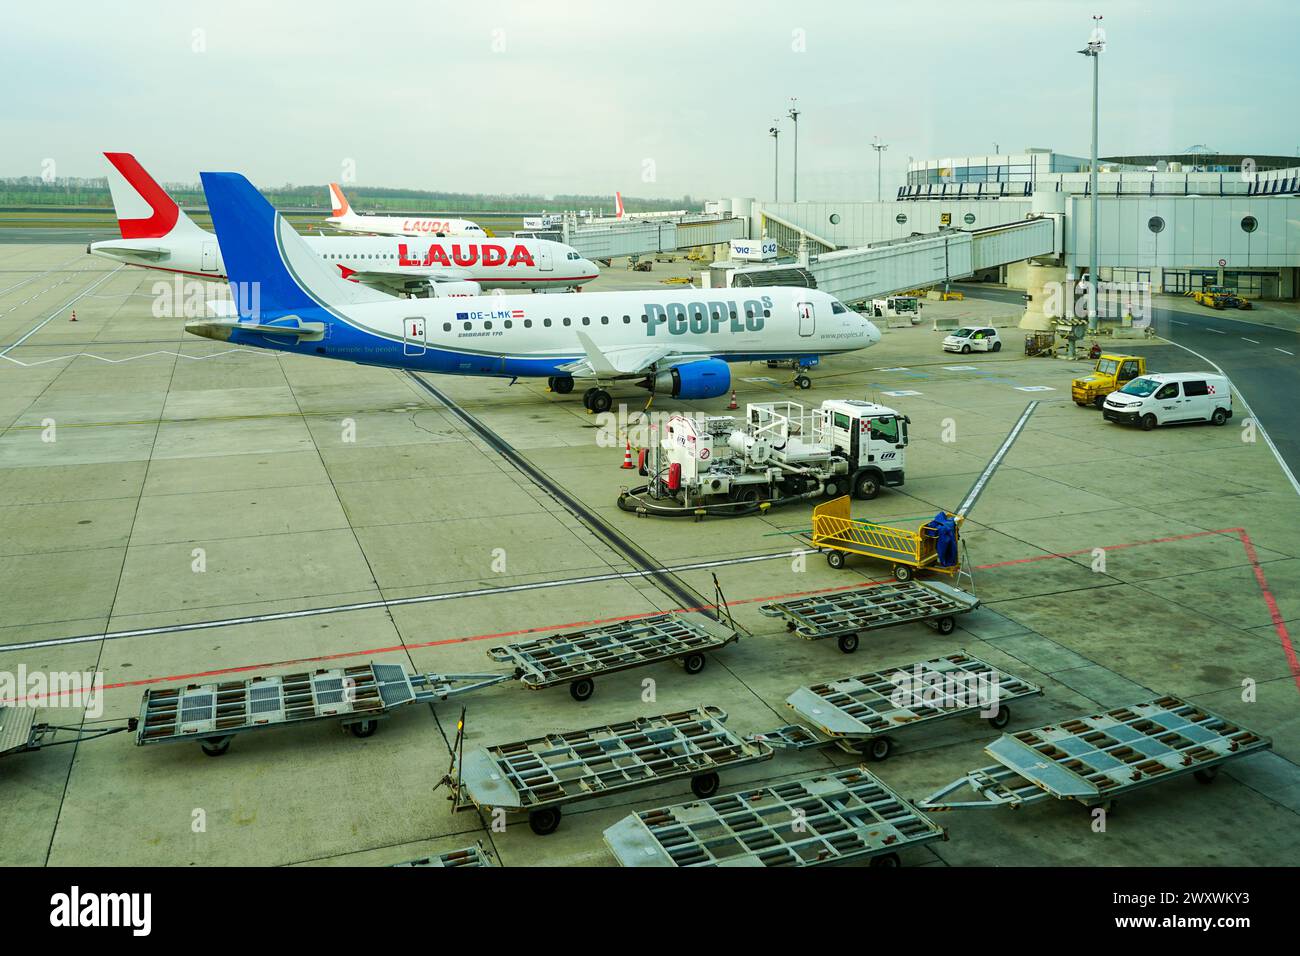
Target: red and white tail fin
618	205
339	202
144	210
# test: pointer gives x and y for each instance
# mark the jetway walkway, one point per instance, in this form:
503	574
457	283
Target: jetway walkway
882	268
642	238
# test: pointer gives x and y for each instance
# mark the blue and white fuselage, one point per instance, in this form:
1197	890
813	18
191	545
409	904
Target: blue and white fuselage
289	300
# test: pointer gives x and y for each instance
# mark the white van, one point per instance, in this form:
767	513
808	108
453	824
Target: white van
1153	400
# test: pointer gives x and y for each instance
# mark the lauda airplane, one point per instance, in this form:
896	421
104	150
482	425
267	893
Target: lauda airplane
156	234
346	220
678	342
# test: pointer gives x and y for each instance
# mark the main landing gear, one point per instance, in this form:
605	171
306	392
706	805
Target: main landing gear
597	400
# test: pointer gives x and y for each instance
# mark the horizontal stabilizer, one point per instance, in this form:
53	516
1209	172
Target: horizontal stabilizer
218	329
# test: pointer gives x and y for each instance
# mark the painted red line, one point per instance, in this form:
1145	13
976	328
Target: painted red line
1271	603
1251	555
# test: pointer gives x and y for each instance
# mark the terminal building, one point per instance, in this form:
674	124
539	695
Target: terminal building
1178	222
1171	223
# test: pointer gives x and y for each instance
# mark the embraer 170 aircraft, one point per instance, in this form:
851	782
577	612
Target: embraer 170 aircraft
677	343
345	220
156	234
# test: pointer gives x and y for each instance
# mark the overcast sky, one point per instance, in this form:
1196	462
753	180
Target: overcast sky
654	97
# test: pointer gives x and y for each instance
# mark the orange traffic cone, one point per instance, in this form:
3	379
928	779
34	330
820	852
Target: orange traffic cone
627	454
74	316
733	404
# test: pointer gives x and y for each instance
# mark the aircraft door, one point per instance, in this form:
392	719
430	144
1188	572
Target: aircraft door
208	261
807	318
544	259
413	336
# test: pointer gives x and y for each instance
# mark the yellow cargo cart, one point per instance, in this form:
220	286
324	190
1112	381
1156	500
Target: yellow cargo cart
837	533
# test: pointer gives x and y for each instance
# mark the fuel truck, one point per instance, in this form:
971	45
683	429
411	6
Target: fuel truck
779	453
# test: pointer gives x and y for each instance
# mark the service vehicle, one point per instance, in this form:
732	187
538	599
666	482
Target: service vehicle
1164	398
973	338
1221	297
1112	372
778	453
908	305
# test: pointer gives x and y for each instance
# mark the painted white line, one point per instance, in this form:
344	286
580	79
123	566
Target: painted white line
1216	331
900	394
397	602
973	495
1034	388
132	358
49	318
960	368
1251	341
1283	351
1176	322
1259	426
900	368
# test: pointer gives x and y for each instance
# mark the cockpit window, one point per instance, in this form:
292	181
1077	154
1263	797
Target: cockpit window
837	308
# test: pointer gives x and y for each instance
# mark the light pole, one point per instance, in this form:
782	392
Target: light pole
1096	46
775	132
879	147
794	115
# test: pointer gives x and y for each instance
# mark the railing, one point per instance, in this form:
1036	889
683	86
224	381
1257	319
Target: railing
787	236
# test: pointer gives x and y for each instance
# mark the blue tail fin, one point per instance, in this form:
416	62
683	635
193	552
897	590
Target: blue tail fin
261	251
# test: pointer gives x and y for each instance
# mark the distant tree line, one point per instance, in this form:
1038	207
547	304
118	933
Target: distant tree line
83	191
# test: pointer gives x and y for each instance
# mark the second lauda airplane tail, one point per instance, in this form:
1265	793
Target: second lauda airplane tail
339	206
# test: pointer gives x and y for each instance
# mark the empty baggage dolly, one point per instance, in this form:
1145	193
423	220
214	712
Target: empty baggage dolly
576	657
1095	758
845	615
541	775
20	733
475	855
358	697
842	817
862	714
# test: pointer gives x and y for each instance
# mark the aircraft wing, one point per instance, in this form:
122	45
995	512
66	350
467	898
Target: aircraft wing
404	280
624	361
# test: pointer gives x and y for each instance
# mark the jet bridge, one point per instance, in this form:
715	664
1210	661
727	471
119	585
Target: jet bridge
882	268
635	237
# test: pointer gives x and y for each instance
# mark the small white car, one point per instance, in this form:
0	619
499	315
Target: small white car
1171	397
973	338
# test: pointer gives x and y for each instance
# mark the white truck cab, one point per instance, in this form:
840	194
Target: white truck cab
1159	399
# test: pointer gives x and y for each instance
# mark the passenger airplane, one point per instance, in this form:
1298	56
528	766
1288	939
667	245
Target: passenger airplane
345	220
673	342
156	234
622	215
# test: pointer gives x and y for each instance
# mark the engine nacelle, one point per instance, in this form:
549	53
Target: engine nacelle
707	378
460	287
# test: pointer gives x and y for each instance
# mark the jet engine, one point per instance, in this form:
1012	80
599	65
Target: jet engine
707	378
